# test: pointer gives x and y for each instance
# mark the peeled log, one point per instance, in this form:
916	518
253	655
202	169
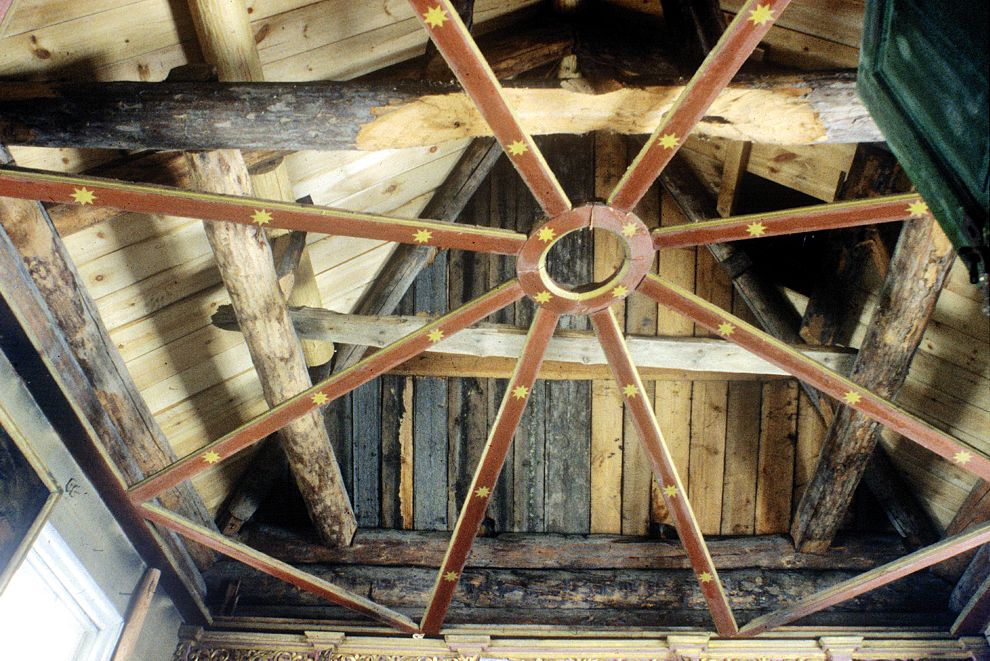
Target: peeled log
381	115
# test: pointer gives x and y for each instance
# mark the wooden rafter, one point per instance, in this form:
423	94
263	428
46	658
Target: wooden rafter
919	267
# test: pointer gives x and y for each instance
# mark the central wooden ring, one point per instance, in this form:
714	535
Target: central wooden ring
633	235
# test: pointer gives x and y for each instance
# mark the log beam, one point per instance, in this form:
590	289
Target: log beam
248	272
917	272
685	354
129	433
409	548
381	115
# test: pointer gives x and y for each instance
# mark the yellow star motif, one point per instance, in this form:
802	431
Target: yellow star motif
422	236
482	492
629	229
211	457
435	335
83	195
520	392
760	15
962	457
918	208
320	399
435	17
620	291
670	490
543	297
630	390
545	234
705	577
756	229
450	576
852	398
726	329
517	148
668	140
261	217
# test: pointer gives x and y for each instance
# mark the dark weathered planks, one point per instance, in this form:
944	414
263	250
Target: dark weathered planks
918	268
366	417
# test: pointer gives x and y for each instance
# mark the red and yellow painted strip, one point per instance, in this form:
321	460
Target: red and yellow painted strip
631	386
458	48
794	362
734	47
322	393
792	221
277	568
152	199
492	458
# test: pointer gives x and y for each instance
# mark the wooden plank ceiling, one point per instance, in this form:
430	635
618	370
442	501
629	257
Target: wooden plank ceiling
408	443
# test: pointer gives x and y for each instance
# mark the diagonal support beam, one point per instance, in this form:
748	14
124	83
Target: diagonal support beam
458	48
794	362
629	383
753	21
792	221
277	568
328	390
870	580
244	258
270	214
489	467
917	272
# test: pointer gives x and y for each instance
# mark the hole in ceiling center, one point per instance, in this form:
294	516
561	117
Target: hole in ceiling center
571	260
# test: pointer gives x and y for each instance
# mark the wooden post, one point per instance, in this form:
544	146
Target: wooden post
227	42
917	271
136	612
245	262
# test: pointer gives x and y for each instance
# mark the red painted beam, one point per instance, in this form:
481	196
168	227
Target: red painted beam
794	362
492	458
322	393
792	221
736	45
277	568
458	48
871	580
148	198
633	394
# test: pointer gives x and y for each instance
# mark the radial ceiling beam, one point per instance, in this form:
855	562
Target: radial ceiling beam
489	466
675	495
122	421
792	221
907	300
851	394
327	390
454	42
753	21
870	580
268	214
280	570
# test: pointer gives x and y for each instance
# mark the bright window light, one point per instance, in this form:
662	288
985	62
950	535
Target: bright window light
52	603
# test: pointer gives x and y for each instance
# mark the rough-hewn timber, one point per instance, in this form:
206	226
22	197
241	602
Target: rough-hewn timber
245	261
917	271
342	115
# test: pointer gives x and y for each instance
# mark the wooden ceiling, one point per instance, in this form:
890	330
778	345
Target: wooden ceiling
407	445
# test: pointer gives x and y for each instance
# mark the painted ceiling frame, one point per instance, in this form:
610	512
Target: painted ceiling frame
460	51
